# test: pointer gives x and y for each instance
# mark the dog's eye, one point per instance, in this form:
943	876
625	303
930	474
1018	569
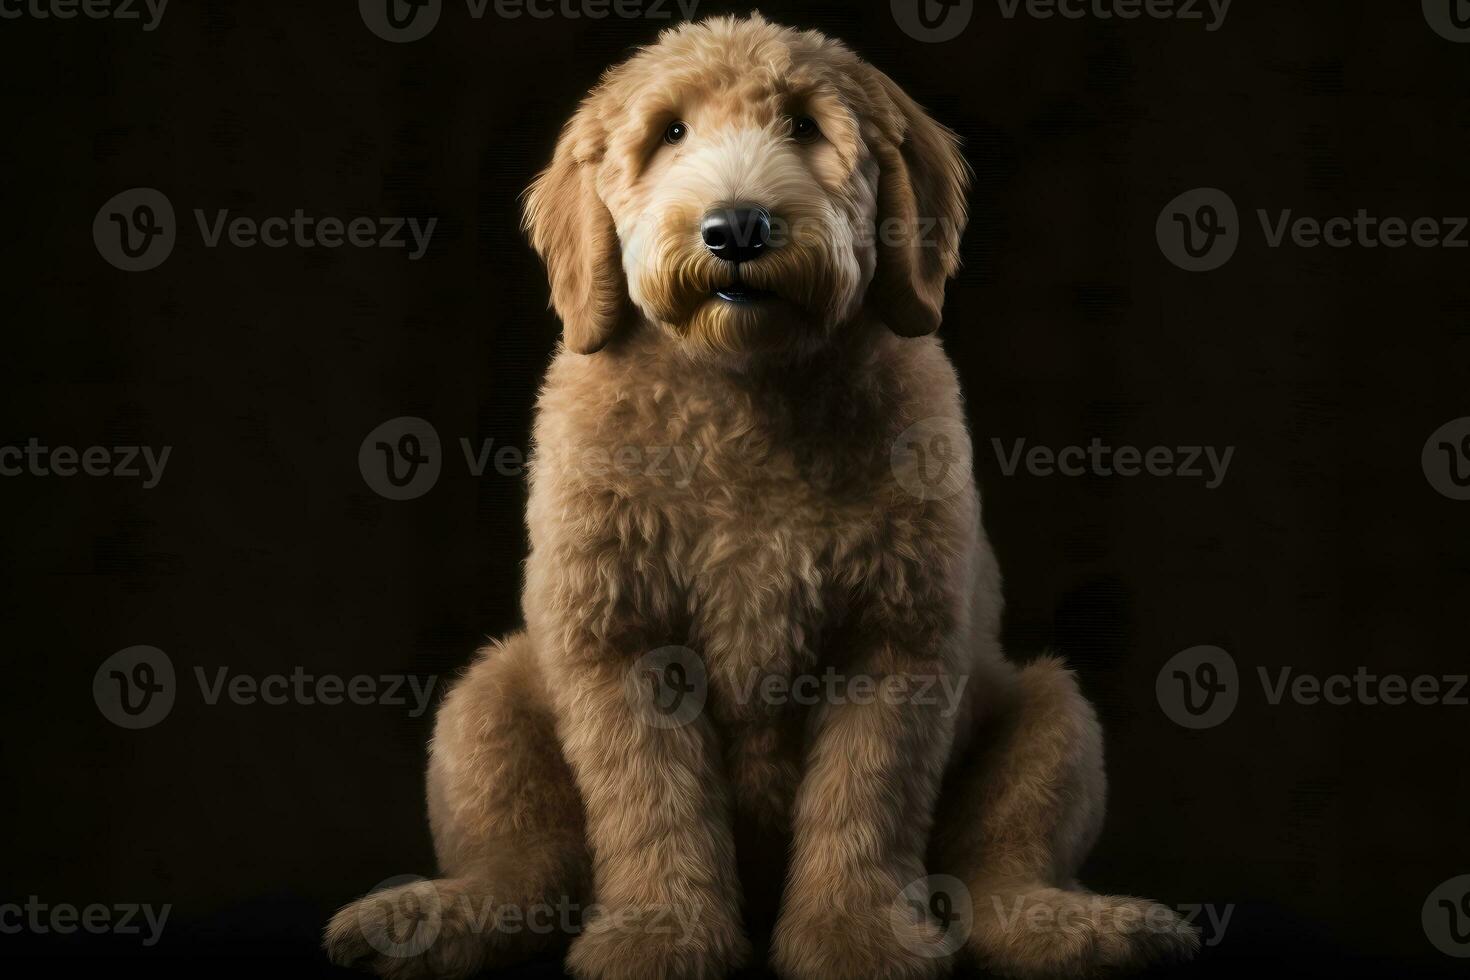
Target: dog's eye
804	129
676	132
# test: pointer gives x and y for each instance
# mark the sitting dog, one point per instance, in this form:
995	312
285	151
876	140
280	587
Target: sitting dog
748	232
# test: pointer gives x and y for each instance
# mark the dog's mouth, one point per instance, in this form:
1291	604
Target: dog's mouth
739	292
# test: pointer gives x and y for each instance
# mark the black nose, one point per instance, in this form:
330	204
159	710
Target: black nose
737	234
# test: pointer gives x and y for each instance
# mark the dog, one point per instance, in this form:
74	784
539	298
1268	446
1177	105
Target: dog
748	231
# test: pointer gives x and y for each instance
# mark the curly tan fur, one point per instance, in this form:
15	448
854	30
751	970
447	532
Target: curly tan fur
796	544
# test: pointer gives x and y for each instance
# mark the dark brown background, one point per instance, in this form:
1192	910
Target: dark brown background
263	548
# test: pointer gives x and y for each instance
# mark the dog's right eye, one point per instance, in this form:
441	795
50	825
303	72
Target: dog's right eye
676	132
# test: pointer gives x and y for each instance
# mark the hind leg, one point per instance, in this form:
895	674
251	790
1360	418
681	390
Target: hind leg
1016	821
508	833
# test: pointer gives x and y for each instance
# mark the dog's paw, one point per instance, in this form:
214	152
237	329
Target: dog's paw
444	928
626	944
849	946
1051	932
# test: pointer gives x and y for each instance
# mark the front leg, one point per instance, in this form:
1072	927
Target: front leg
658	822
863	814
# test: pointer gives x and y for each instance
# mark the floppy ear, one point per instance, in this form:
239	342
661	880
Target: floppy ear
573	232
922	179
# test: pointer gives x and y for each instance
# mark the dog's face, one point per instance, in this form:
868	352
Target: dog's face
749	189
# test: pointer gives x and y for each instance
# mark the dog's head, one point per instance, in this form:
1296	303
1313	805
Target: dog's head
748	188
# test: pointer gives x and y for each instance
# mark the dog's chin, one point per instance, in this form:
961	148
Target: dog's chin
739	323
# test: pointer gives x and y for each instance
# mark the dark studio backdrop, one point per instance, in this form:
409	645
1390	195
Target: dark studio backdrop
1333	543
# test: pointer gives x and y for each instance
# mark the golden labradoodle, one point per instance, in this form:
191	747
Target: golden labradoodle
734	505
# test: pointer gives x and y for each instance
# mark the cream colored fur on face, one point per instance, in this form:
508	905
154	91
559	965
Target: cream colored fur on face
790	548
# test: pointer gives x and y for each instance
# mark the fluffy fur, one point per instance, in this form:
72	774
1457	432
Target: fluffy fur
797	545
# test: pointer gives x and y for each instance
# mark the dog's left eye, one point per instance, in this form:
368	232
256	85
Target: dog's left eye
676	132
804	129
